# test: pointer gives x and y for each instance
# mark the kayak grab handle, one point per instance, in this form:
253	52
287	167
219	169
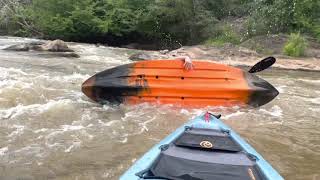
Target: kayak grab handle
210	113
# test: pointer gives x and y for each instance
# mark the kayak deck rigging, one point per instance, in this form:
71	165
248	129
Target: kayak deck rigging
202	150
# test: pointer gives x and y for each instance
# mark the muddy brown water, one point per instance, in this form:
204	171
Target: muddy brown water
50	130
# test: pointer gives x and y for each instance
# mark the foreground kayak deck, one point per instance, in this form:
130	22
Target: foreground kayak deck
166	82
202	122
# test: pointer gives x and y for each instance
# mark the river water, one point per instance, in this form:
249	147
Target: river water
50	130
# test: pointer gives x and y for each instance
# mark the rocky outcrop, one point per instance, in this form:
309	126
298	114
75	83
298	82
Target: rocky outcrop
59	47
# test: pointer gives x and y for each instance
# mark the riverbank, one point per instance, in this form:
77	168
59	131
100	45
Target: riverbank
227	54
235	56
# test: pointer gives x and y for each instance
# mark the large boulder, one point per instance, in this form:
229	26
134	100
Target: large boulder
56	46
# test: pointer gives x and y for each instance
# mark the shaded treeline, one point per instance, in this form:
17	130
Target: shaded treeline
167	23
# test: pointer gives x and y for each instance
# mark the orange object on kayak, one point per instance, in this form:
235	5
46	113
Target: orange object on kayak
167	82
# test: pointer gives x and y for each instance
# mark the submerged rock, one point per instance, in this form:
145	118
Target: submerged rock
140	56
18	47
25	46
140	46
59	54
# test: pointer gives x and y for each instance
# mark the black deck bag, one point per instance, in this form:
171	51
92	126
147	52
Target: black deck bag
208	139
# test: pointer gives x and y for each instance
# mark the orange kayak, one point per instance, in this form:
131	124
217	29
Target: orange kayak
167	82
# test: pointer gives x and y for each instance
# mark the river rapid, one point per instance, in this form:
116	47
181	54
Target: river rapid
50	130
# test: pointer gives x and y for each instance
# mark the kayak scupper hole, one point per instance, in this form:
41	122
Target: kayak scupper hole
182	78
182	98
157	77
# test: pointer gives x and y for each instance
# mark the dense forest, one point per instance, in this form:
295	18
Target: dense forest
164	22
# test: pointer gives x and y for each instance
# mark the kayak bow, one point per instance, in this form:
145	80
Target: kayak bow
203	149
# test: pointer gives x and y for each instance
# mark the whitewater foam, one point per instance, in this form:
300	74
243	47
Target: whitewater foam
275	111
3	151
312	81
315	101
73	146
20	109
228	116
19	130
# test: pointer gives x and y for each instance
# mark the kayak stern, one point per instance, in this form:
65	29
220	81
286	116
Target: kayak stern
261	91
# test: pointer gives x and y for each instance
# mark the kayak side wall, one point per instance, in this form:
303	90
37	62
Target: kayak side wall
147	159
265	167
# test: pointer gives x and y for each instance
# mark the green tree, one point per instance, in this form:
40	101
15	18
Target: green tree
67	19
178	21
166	22
274	16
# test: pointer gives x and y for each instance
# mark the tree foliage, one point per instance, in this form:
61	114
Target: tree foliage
274	16
163	21
296	45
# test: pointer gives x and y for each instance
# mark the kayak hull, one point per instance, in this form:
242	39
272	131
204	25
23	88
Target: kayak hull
166	82
199	122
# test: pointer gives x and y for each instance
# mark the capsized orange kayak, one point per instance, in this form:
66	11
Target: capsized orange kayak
167	82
